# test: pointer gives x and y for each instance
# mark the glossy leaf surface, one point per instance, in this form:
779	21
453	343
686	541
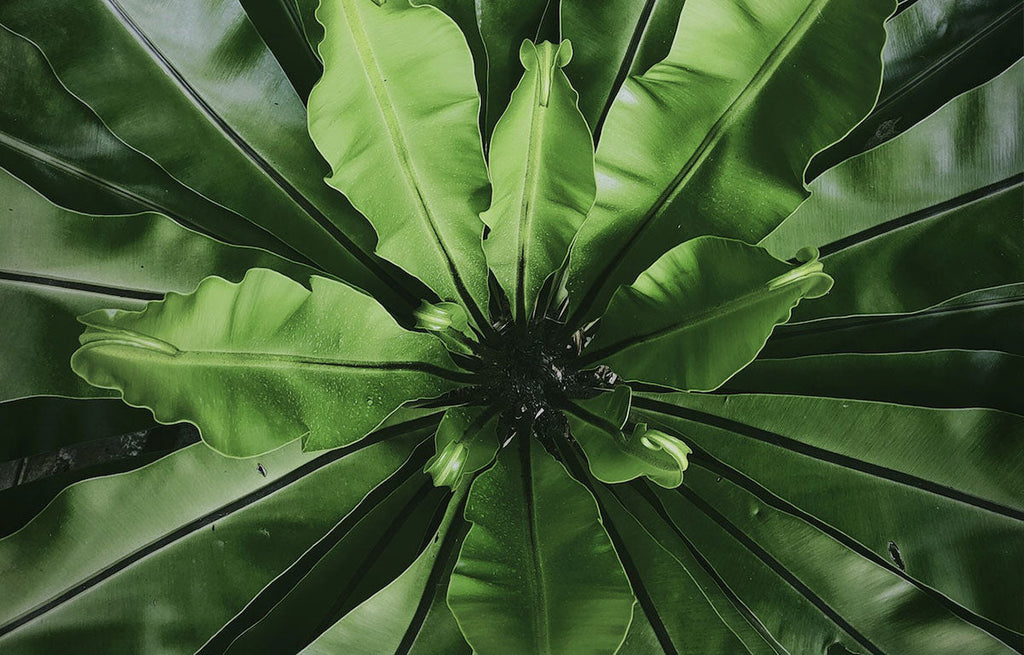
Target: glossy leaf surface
327	363
542	168
915	464
537	573
395	115
700	313
193	516
673	164
935	50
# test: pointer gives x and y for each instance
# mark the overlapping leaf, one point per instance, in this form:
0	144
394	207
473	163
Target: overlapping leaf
192	521
274	361
706	144
700	313
537	573
210	104
395	115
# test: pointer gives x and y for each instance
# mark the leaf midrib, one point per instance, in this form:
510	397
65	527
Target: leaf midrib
540	618
531	185
740	103
264	360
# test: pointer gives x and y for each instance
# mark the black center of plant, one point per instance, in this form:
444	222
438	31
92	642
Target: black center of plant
530	373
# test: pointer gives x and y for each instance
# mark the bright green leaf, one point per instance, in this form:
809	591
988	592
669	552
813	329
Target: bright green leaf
327	364
700	313
537	573
466	441
542	165
714	139
616	456
395	115
56	265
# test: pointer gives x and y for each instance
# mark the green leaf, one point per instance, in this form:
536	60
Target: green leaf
363	552
700	313
938	378
503	24
896	244
934	50
466	441
681	609
871	474
537	573
614	457
195	536
56	265
57	145
202	75
392	619
614	40
326	364
542	167
674	163
395	115
279	23
981	320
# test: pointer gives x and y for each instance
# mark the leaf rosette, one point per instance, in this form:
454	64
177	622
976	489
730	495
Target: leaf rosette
516	331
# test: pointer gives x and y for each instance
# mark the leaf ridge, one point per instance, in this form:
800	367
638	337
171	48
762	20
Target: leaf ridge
777	567
771	499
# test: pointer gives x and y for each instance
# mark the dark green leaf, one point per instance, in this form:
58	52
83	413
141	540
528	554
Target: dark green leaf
201	77
612	40
882	473
196	535
935	50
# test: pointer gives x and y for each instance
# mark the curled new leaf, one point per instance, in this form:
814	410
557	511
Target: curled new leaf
615	456
466	441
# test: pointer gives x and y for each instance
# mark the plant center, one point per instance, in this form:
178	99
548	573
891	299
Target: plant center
531	373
